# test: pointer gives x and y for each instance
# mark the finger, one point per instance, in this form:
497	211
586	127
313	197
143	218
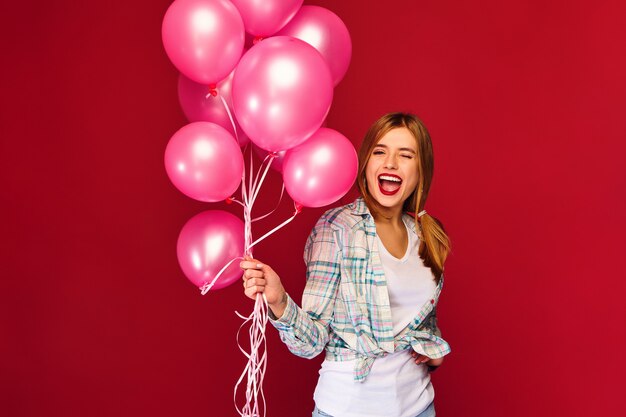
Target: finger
253	290
255	281
250	294
253	264
253	273
418	358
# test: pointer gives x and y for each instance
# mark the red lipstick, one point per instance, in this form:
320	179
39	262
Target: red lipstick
389	184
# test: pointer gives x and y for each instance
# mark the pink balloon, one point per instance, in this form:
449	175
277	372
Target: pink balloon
266	17
282	91
203	38
324	30
207	242
204	162
321	170
200	106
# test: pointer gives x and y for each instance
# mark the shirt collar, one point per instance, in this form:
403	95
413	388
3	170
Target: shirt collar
359	208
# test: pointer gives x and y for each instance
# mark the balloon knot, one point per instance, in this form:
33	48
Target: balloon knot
298	208
274	154
229	200
257	39
213	90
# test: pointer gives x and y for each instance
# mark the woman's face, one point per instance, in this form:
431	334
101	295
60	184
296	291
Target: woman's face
392	171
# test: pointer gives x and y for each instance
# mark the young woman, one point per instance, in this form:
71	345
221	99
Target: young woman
374	275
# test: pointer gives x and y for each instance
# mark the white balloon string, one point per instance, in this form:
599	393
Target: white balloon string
265	161
248	230
230	116
280	226
250	189
257	187
282	191
234	200
234	125
206	287
254	372
244	190
244	195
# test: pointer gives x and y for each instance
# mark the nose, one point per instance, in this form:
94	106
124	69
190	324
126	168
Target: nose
390	162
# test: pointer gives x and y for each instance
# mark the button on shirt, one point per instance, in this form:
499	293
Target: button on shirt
345	305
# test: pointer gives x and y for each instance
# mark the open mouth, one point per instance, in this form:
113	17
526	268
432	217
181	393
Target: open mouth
389	184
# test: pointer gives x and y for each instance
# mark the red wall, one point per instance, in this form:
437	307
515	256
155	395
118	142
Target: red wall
525	101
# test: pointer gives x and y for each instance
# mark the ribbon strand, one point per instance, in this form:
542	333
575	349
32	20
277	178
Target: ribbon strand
280	226
282	191
254	371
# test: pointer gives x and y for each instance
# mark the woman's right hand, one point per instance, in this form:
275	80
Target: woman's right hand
261	278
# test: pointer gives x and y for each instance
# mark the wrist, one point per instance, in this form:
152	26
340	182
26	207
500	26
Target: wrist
278	307
434	363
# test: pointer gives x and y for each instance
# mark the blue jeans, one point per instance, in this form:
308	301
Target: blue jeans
429	412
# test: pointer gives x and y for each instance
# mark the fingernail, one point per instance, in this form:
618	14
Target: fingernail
259	265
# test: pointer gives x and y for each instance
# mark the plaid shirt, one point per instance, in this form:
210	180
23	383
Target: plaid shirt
345	305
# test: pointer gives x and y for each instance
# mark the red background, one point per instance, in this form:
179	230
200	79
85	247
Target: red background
525	101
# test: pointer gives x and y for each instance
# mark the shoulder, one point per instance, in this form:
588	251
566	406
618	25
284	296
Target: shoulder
329	233
342	218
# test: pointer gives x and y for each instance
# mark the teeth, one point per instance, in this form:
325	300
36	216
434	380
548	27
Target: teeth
388	178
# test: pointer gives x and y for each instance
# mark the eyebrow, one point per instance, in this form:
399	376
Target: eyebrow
401	149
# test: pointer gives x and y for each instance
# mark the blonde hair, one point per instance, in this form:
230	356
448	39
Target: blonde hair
435	244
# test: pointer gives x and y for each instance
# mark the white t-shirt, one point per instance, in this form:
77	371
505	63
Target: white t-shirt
395	386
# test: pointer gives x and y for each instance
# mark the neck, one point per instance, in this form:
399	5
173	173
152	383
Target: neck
388	215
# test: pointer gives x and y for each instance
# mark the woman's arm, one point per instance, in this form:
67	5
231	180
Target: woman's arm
305	330
433	364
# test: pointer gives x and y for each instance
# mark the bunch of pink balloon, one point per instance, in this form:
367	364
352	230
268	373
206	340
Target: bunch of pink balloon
276	94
